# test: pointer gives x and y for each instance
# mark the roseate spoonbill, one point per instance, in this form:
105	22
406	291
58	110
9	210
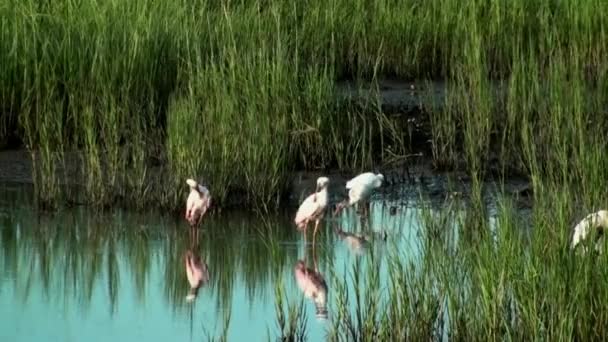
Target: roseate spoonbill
198	202
197	273
360	189
597	220
312	284
313	207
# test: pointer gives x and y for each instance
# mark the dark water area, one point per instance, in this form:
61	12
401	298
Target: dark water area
82	275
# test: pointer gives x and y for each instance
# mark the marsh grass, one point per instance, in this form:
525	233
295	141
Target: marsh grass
520	282
291	318
241	93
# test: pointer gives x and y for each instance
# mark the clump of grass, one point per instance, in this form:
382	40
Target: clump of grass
291	320
518	281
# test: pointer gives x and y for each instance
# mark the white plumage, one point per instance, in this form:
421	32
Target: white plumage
360	189
313	207
597	220
198	202
362	186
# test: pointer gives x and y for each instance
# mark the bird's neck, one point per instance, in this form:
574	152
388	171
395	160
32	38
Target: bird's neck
322	194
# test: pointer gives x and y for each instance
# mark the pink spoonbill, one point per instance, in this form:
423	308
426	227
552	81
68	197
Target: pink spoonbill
313	207
198	202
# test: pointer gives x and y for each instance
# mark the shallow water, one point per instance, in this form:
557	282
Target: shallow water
82	275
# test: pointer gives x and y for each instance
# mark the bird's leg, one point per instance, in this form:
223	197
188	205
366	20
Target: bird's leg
314	257
362	222
337	210
340	206
305	231
359	210
364	215
314	234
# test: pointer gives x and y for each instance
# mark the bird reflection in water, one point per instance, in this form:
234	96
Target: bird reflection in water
196	268
356	243
313	285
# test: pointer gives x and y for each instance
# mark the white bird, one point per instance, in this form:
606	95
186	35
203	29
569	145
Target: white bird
597	220
360	188
313	207
198	202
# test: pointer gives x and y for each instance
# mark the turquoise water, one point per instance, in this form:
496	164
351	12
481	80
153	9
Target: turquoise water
84	275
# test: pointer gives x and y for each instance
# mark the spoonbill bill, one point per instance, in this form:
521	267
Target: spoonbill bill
198	202
598	221
313	207
360	189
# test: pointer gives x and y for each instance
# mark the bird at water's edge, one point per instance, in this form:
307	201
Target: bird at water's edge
597	220
198	202
360	189
313	207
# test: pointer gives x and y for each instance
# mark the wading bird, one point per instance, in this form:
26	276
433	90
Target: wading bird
198	202
360	189
598	221
313	207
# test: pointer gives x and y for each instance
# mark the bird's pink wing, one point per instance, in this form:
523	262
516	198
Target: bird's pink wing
307	209
190	202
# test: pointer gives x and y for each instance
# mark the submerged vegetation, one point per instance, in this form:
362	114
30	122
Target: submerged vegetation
138	95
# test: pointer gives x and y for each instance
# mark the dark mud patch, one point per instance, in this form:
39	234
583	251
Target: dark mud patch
408	182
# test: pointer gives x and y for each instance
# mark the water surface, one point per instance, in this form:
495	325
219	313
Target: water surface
84	275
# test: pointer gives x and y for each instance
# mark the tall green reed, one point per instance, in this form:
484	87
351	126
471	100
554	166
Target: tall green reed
241	93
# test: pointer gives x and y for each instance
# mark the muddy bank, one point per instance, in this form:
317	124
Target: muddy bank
407	182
